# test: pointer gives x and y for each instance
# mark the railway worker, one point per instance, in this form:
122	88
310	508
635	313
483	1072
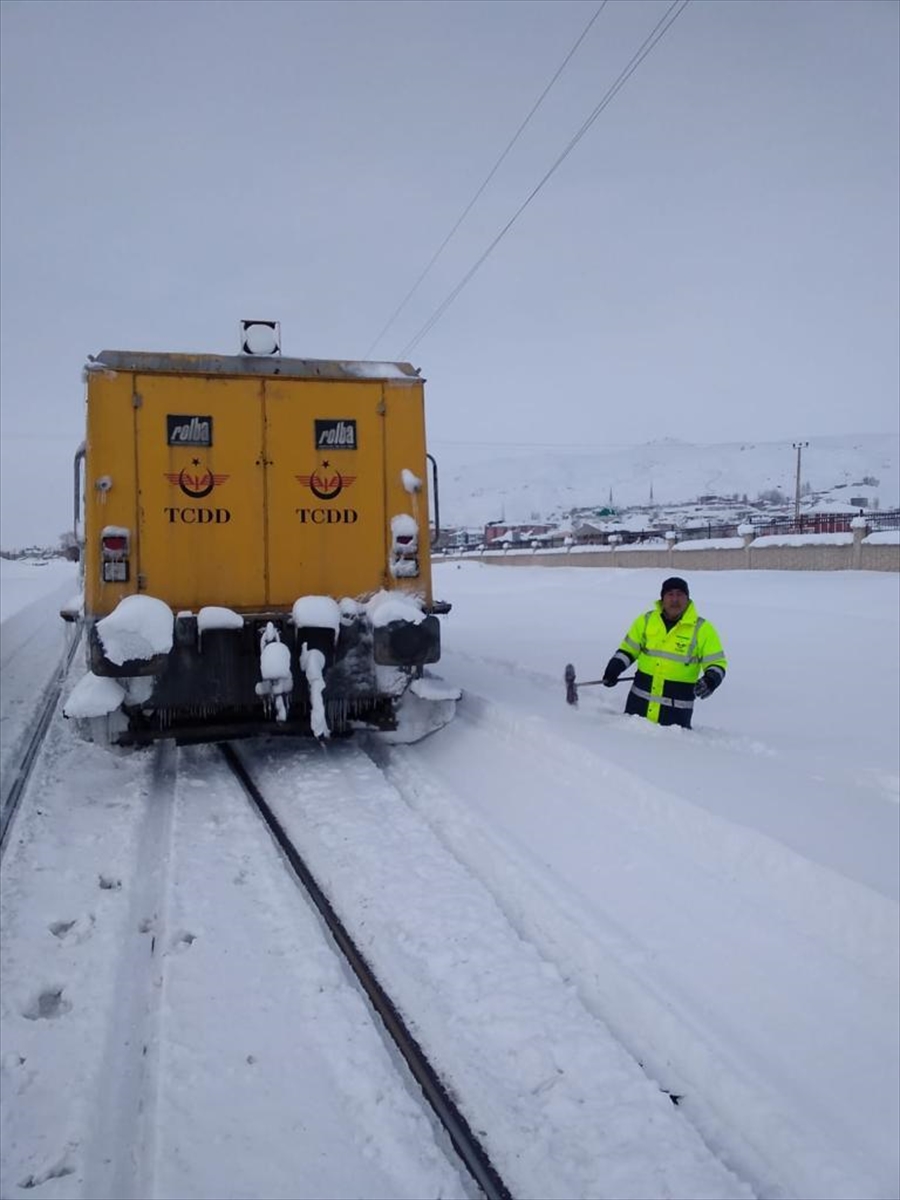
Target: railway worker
679	657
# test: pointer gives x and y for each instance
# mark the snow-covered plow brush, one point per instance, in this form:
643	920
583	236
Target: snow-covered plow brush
572	687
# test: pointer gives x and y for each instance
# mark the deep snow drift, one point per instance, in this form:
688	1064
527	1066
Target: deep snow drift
711	913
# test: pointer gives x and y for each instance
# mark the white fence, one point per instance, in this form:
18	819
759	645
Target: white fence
859	550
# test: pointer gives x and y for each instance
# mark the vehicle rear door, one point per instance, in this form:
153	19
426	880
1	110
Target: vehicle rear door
200	490
326	530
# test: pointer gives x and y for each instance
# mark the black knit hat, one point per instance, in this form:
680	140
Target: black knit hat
674	585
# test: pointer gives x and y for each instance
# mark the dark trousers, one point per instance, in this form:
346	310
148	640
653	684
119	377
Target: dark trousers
668	714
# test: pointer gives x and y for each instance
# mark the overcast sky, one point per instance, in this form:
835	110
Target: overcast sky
715	259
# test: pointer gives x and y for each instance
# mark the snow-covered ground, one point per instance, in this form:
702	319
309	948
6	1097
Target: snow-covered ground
580	915
33	639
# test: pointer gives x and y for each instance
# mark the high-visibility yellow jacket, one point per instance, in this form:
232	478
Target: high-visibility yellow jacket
669	663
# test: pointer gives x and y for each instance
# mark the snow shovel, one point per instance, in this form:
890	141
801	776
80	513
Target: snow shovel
572	688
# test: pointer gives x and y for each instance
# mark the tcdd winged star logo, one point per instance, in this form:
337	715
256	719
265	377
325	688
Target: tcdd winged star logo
326	483
196	483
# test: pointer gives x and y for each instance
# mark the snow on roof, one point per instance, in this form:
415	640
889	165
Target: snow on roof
833	506
248	364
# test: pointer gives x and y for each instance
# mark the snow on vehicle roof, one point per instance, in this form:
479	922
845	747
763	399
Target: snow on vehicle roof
244	364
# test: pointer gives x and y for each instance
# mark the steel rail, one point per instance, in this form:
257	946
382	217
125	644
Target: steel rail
464	1141
25	766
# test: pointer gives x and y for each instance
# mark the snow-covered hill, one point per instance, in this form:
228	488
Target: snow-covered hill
478	484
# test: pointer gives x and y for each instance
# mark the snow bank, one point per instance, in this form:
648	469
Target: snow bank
25	580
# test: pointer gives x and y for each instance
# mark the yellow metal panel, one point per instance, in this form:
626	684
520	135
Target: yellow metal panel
405	450
200	479
325	492
109	483
250	491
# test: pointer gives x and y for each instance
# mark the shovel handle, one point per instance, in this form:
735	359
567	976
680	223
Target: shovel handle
593	682
572	685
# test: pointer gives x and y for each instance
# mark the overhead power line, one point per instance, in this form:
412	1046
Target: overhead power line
671	15
493	171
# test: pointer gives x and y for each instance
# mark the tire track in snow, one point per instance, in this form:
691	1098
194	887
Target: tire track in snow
66	882
120	1161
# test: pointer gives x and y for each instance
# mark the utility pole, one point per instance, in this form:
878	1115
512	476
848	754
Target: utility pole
799	447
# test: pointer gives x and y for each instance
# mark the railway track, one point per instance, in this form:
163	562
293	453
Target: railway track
464	1141
26	757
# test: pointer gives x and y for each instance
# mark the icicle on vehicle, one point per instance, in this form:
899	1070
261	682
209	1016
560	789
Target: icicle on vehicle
255	547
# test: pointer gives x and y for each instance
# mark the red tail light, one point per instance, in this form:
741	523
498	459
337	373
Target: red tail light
404	561
114	547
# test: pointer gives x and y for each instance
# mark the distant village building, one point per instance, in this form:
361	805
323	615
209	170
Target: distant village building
497	532
459	538
587	534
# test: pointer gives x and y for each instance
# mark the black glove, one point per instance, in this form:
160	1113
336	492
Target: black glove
707	684
614	669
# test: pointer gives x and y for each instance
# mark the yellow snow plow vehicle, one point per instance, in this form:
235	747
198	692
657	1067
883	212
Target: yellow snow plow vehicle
255	541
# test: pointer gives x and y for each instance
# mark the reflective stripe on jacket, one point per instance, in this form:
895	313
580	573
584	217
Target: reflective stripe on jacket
669	663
